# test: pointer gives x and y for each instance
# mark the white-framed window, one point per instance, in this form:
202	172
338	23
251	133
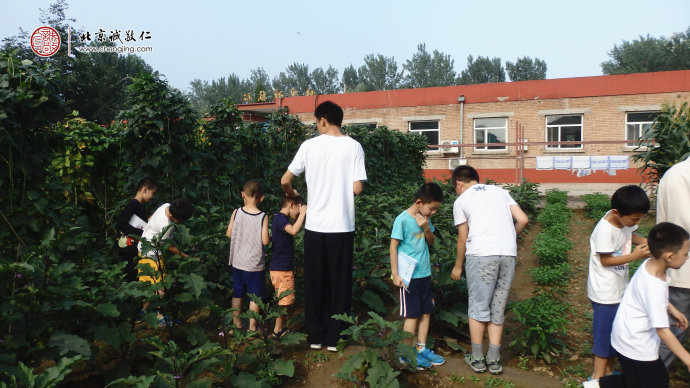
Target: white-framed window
429	128
638	124
490	130
564	128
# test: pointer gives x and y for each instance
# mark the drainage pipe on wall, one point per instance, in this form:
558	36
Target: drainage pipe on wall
461	100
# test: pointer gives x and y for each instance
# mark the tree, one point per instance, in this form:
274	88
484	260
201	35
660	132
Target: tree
296	79
259	82
94	84
670	135
525	69
350	79
205	94
650	54
325	82
482	71
379	73
427	70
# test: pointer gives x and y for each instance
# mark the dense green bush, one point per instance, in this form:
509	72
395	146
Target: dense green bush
551	247
596	204
66	179
554	215
554	275
542	321
556	196
526	194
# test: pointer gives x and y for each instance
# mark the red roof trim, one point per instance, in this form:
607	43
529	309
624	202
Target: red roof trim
606	85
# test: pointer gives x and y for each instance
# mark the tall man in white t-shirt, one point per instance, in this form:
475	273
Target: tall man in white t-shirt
484	217
333	165
673	205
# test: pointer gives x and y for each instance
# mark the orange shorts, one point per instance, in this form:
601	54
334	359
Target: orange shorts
284	281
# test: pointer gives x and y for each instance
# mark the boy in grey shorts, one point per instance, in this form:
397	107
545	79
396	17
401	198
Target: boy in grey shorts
484	217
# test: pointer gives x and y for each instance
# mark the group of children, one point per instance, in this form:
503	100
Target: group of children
631	318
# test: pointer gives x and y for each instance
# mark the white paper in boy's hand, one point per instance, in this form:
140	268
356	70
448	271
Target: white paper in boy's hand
137	222
406	265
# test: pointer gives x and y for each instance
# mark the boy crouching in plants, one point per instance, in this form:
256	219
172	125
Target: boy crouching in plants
643	315
282	261
610	252
412	233
166	216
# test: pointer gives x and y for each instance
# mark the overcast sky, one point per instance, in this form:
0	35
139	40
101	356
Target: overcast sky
211	39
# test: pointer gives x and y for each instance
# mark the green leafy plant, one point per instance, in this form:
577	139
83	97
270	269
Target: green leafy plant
596	204
383	343
555	275
666	144
551	247
556	196
542	320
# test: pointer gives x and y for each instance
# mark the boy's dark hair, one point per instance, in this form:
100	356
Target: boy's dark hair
181	209
666	237
287	200
147	182
429	192
630	199
464	174
253	188
330	111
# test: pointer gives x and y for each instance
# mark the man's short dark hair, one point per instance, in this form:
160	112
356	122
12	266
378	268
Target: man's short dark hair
253	188
181	209
287	200
330	111
666	237
630	199
429	192
465	174
147	182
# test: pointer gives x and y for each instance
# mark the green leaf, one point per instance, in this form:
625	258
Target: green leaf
292	338
70	342
132	381
447	317
373	300
282	367
352	364
108	310
245	380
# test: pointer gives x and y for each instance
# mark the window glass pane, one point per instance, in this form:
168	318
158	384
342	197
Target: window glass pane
646	128
490	123
496	136
479	136
415	125
563	119
552	134
637	117
571	134
631	133
432	137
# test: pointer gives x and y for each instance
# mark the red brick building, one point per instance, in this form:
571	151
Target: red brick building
571	130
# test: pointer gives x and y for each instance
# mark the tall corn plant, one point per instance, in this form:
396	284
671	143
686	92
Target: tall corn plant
671	144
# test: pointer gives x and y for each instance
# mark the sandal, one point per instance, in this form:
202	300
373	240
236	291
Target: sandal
280	334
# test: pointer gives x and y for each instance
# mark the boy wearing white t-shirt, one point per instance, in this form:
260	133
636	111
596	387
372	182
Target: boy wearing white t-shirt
643	315
333	166
610	252
484	217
